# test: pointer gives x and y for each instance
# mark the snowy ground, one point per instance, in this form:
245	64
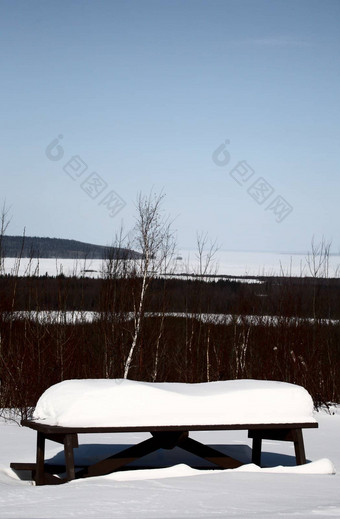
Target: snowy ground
179	491
81	316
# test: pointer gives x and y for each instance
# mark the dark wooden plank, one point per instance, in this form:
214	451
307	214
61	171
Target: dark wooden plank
256	450
55	429
69	442
209	454
51	469
169	439
299	447
119	459
283	435
23	466
40	459
50	479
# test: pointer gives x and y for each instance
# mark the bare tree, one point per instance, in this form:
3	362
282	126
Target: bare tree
117	270
198	325
318	258
154	238
318	265
5	221
206	256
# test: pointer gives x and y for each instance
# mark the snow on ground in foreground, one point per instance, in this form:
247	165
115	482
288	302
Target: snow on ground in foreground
173	492
118	402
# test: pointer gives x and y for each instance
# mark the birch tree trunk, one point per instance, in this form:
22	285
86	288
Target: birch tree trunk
154	239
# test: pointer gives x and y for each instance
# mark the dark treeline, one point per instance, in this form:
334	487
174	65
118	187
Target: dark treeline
35	247
297	297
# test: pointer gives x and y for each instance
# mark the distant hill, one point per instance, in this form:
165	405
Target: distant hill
26	247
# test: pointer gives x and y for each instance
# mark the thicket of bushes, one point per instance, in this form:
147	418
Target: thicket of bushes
300	297
36	353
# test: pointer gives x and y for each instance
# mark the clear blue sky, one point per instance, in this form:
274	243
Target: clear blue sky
143	93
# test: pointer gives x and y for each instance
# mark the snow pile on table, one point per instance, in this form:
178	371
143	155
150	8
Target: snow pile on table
128	403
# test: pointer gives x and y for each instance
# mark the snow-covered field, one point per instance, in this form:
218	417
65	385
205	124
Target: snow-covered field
78	316
227	263
178	491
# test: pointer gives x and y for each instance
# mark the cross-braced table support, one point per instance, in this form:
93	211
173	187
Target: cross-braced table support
161	438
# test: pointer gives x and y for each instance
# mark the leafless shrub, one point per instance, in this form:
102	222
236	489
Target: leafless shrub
318	258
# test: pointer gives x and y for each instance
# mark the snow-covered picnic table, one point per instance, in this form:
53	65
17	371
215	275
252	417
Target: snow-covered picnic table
267	409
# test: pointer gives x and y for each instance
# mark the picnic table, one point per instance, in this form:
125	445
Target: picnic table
169	412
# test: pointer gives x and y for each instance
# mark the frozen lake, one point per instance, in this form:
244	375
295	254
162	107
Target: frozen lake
227	263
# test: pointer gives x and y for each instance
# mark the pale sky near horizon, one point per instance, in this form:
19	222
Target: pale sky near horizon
144	93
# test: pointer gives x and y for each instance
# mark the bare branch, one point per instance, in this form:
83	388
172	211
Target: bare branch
318	259
206	254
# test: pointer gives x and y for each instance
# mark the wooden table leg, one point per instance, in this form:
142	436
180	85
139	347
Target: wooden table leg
40	459
69	443
285	435
299	446
256	450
